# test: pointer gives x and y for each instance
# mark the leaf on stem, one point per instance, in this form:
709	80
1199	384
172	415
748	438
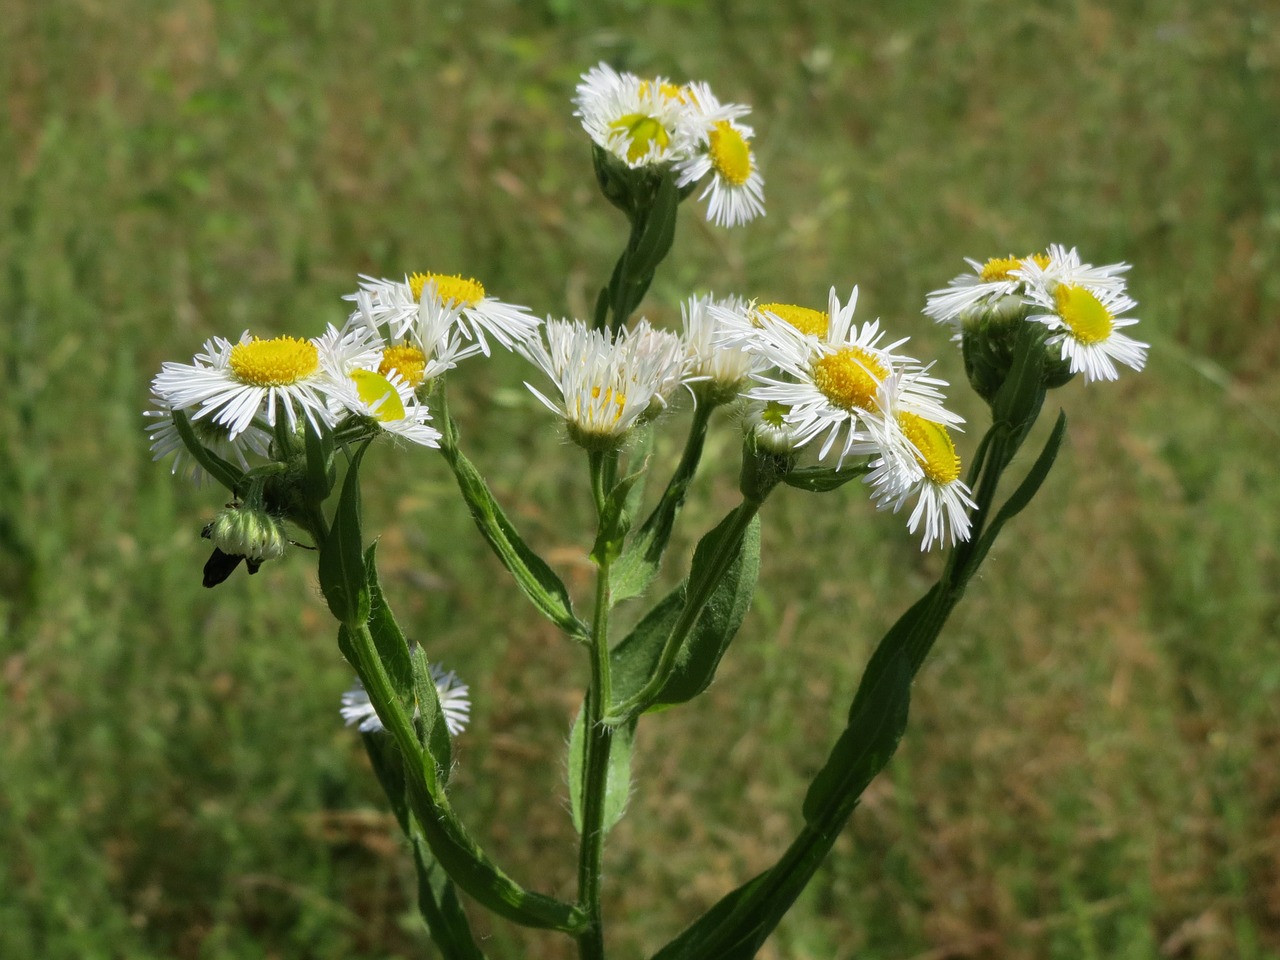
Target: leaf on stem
343	578
618	782
534	577
227	474
822	479
429	721
438	903
321	472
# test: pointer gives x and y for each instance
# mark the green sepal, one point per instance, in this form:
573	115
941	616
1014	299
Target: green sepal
227	474
615	520
322	473
618	779
823	479
535	578
633	661
429	721
440	908
343	579
393	649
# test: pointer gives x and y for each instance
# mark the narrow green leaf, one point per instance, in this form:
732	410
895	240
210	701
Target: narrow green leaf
618	782
822	479
1020	497
393	649
433	731
727	607
341	565
438	903
227	474
634	659
615	520
534	577
659	230
321	472
388	766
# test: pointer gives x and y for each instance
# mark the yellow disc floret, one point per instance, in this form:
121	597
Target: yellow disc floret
642	130
934	449
850	378
805	320
376	391
278	362
1090	322
1001	268
730	153
453	289
406	360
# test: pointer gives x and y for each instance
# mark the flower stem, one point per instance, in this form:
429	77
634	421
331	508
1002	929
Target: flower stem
597	741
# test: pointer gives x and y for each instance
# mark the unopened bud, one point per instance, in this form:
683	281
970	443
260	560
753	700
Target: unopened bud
248	532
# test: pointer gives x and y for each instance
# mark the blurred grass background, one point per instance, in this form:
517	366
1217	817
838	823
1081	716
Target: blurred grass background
1090	769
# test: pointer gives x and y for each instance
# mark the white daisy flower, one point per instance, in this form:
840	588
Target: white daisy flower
1061	265
1086	326
717	367
166	440
641	122
396	304
234	384
605	384
988	283
455	703
648	351
834	385
427	345
736	188
943	500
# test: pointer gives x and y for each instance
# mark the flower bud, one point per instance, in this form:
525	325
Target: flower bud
248	532
989	334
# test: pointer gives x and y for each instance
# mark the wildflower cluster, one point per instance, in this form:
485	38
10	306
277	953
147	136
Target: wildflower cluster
820	399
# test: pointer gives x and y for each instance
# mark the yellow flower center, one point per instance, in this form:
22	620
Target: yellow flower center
666	90
618	399
454	290
278	362
373	387
406	360
730	154
999	268
1089	320
813	322
935	452
643	130
849	378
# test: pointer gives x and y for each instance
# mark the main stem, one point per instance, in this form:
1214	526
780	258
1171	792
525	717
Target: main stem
597	740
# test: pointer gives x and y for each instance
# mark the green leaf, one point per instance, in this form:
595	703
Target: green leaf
658	232
615	520
388	766
341	567
737	927
633	661
393	649
822	479
1020	497
321	472
438	903
429	722
534	577
723	614
1018	402
618	782
227	474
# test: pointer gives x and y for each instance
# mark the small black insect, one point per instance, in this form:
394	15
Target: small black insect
221	565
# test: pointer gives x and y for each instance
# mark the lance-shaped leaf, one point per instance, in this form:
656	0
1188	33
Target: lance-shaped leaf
534	577
728	555
438	903
429	721
227	474
393	649
615	520
822	479
618	782
343	579
321	472
737	926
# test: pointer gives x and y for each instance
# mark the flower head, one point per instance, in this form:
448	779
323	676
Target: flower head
834	386
166	440
454	696
606	384
719	365
235	383
640	122
736	188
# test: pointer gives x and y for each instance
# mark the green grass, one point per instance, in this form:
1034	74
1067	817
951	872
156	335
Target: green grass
1089	769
